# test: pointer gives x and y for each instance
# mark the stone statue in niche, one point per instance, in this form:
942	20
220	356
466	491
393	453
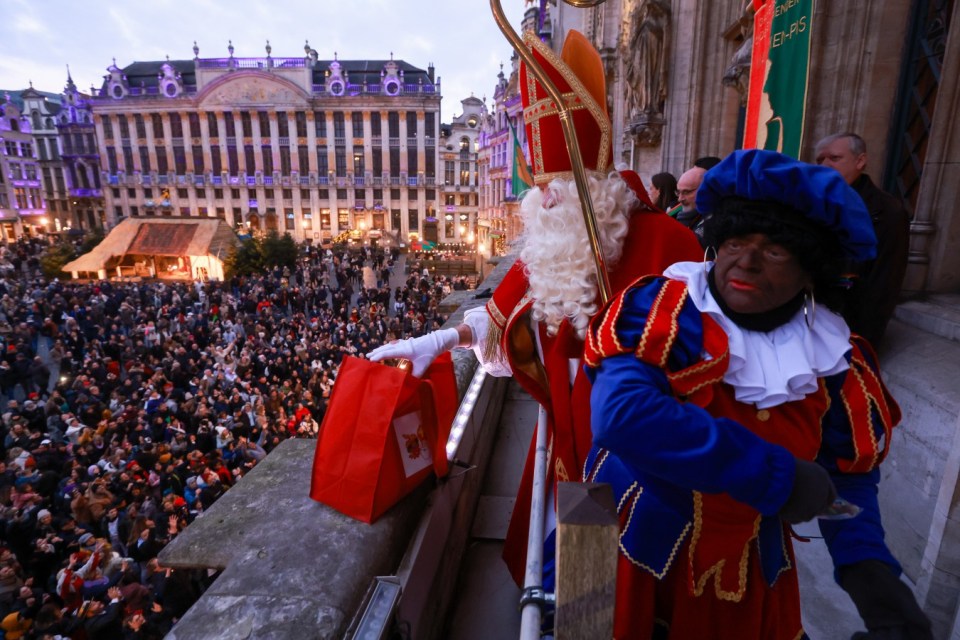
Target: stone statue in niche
737	74
645	51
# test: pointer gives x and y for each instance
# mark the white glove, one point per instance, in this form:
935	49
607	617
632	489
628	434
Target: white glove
420	351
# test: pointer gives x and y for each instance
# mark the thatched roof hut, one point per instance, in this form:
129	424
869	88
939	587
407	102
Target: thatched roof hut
176	248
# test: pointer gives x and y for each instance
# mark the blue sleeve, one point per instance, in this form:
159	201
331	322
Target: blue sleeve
637	419
861	537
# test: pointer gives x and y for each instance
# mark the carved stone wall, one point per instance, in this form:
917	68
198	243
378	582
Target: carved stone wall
701	114
856	51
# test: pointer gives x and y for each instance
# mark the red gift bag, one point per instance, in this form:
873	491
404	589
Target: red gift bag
384	432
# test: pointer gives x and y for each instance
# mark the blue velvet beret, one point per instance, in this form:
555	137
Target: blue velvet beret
819	193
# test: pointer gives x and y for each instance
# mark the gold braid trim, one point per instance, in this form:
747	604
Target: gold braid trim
589	475
784	540
706	383
673	552
717	569
674	328
858	454
627	495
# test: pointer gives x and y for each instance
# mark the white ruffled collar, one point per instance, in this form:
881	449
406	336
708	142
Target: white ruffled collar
770	368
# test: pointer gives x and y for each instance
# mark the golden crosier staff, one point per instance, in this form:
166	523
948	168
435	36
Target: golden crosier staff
569	135
533	593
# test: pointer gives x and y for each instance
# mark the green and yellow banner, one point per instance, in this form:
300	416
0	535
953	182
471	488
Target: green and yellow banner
522	178
779	71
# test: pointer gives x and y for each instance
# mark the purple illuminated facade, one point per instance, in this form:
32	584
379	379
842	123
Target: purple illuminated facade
21	195
81	161
301	145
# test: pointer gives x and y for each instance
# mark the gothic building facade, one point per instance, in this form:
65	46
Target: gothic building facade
500	224
81	162
315	148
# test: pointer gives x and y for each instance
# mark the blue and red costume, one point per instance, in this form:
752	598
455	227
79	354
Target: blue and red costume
699	477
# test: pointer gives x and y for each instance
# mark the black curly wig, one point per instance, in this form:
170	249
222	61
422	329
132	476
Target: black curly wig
816	249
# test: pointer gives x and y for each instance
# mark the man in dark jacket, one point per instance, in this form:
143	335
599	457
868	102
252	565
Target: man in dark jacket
104	621
874	294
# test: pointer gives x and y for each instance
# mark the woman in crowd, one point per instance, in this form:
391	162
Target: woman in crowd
729	402
663	190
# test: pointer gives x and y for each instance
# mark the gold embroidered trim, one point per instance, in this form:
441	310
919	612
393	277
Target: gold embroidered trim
495	329
520	308
673	552
857	454
545	107
717	569
669	563
496	314
616	311
537	152
695	369
597	465
674	328
603	122
651	321
626	495
870	401
545	178
784	541
705	383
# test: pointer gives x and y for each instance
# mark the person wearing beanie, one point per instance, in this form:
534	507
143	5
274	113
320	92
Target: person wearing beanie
730	401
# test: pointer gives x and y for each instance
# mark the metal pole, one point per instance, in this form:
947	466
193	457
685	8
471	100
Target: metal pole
530	616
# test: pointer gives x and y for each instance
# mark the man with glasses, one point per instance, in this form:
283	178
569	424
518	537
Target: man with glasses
687	187
874	293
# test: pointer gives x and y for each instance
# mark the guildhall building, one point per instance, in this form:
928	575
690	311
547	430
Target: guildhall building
320	149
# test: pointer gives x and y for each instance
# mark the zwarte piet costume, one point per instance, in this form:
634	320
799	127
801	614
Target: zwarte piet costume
699	424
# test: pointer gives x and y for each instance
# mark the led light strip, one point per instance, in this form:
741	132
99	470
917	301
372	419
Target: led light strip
464	412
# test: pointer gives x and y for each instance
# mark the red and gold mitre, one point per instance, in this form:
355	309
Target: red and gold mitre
578	75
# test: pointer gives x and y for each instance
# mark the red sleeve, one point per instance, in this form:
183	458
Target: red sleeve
655	241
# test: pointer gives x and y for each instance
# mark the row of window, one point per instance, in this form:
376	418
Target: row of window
17	171
359	195
262	118
262	159
78	143
23	198
23	149
286	194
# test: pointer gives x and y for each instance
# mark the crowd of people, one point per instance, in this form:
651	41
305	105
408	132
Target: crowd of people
128	408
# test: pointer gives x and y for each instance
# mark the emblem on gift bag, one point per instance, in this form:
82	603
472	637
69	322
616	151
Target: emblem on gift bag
413	445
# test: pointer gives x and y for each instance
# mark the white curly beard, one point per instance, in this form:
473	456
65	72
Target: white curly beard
556	248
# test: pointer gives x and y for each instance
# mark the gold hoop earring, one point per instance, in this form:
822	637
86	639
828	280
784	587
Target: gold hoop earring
707	258
809	308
